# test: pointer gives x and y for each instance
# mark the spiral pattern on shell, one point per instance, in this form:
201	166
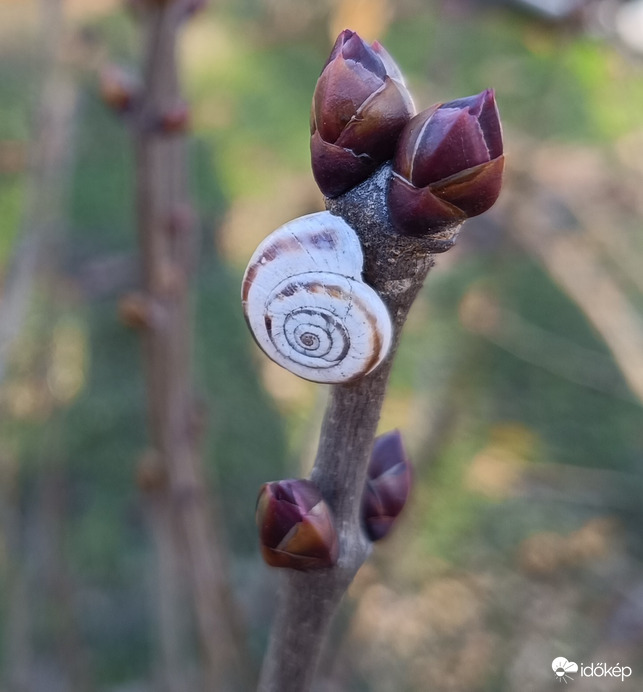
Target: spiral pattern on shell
306	303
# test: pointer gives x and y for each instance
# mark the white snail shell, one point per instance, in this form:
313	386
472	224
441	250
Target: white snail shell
306	303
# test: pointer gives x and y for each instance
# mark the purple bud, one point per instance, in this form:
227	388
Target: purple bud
296	527
388	484
360	106
448	165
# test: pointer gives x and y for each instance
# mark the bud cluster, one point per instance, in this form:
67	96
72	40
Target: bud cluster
446	166
447	160
296	525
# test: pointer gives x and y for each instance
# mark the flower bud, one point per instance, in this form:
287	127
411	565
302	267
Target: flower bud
448	165
175	120
136	312
388	484
360	106
151	476
296	527
119	89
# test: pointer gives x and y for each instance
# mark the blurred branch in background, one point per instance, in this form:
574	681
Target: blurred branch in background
540	222
483	314
595	195
183	509
49	167
35	551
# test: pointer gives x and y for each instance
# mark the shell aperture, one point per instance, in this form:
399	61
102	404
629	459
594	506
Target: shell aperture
307	306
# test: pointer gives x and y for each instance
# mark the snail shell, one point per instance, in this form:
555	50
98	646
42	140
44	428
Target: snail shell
307	305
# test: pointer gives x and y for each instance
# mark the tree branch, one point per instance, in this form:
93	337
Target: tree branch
396	267
167	346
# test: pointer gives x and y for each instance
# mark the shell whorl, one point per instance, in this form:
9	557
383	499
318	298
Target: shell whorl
306	303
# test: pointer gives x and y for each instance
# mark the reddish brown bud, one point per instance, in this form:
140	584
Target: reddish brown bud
448	165
360	106
175	120
135	311
388	484
296	527
119	89
150	474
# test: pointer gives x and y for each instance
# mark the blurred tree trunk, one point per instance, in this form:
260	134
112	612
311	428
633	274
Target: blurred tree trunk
33	265
183	508
52	575
18	650
49	165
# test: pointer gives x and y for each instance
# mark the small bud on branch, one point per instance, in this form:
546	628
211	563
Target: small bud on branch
174	120
151	476
448	165
296	527
388	484
136	311
360	106
119	89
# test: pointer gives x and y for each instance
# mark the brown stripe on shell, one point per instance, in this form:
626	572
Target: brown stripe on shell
376	339
333	291
251	272
271	252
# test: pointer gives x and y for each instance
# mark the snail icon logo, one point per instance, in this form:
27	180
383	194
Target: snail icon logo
562	667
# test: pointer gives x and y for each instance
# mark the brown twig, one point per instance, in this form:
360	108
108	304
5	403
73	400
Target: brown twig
396	267
183	501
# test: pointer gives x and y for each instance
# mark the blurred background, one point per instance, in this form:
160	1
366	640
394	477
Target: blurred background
518	386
